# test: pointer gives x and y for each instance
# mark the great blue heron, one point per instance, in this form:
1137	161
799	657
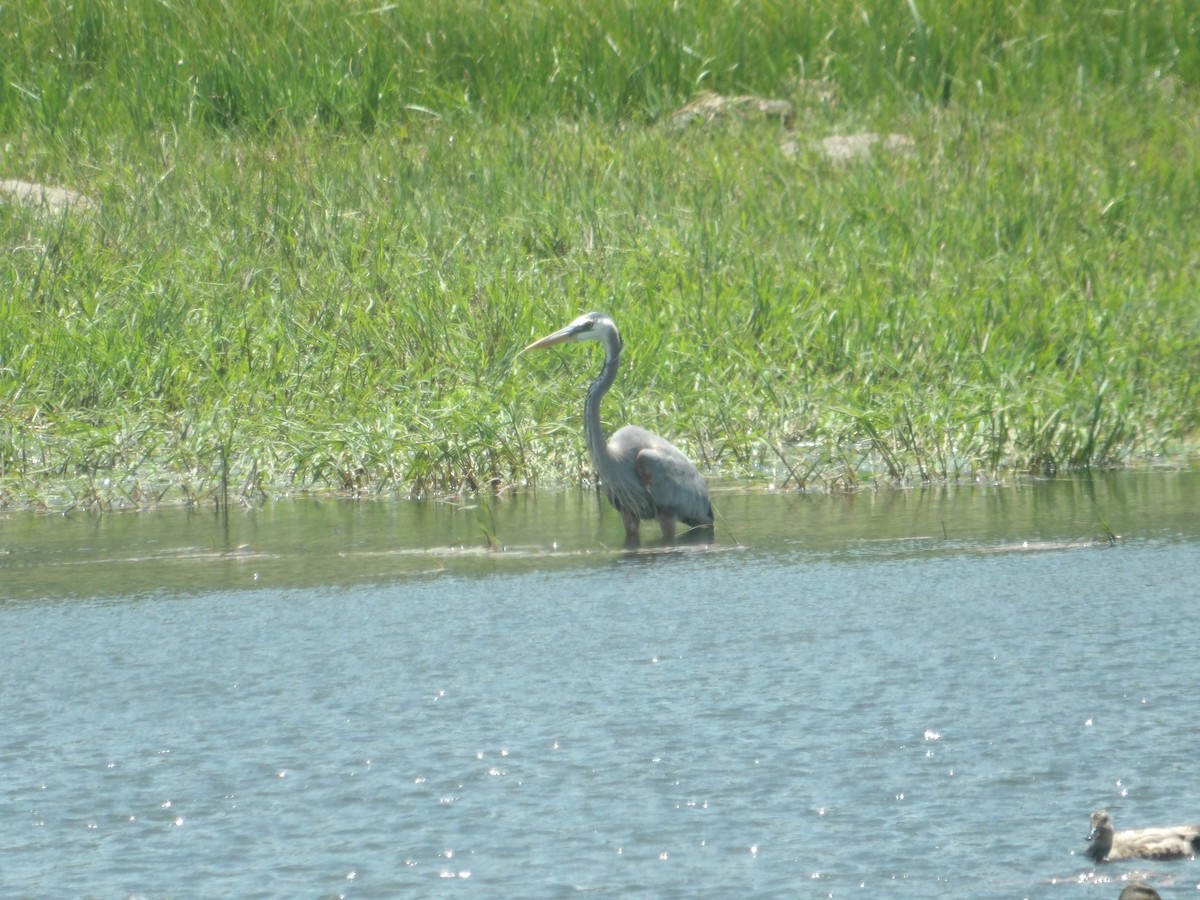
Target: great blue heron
643	475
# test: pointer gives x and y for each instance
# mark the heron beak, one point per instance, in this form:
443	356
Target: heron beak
563	334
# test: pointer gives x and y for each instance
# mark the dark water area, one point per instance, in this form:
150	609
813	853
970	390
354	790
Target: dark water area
891	693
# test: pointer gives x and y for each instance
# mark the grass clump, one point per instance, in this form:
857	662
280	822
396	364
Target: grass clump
321	232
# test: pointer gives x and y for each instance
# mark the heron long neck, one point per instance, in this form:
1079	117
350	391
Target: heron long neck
597	445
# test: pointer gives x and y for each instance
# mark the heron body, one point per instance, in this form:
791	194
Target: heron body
1106	844
643	475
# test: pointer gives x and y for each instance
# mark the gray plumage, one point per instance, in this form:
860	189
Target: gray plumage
1106	844
643	475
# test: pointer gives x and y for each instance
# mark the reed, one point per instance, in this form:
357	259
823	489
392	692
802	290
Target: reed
323	230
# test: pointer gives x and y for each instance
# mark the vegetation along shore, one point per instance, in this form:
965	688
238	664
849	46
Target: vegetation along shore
254	249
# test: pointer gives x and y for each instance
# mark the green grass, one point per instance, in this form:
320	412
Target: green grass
325	229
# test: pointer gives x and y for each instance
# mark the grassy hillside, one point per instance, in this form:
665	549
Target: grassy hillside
322	231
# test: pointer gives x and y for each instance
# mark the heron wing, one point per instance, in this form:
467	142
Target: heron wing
674	483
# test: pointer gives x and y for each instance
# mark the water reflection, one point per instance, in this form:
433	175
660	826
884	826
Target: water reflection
294	543
375	694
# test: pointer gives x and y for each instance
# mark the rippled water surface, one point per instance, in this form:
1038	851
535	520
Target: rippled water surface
896	693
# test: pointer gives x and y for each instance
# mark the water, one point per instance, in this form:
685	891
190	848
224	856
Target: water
902	694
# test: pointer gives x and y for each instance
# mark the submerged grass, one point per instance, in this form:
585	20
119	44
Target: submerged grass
323	231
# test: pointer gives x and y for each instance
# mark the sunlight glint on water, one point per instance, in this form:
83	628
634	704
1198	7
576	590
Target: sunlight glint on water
902	694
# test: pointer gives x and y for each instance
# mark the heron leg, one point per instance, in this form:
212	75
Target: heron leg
631	523
666	521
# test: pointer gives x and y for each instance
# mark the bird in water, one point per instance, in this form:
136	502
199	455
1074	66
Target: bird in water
1107	845
643	475
1139	890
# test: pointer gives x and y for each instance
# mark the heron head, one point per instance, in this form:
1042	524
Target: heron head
593	326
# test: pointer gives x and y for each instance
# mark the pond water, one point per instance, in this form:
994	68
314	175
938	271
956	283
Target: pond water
917	693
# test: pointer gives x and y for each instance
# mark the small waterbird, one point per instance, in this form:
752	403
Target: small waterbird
1139	890
1106	844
